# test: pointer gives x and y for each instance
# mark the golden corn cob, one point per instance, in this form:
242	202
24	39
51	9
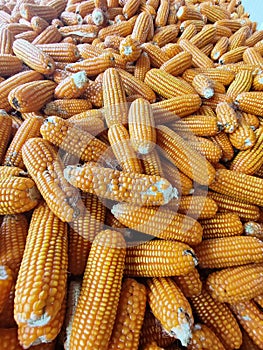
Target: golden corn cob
157	56
170	306
179	153
188	33
130	49
9	65
216	99
250	318
87	332
73	86
233	56
203	85
199	125
9	340
226	204
222	140
204	338
29	128
33	57
254	229
162	223
226	117
204	37
177	64
181	106
198	207
27	11
130	314
66	108
220	48
165	35
92	66
214	13
223	76
46	298
142	66
141	27
250	102
218	317
6	171
114	99
152	164
223	252
186	13
167	85
222	225
113	184
122	149
257	84
5	131
199	59
238	38
207	49
49	35
248	343
123	28
252	56
93	125
243	137
61	52
83	231
210	150
6	282
31	97
190	284
198	23
162	13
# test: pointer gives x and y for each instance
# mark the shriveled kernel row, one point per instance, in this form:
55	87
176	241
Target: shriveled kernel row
161	104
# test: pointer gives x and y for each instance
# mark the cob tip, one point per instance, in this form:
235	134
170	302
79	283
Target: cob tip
183	331
80	79
3	273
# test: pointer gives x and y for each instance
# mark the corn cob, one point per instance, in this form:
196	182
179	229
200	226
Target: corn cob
45	300
6	171
88	51
44	165
243	137
84	7
223	76
198	207
92	66
186	13
233	56
204	338
214	13
210	150
38	24
236	284
199	59
141	27
205	110
204	37
159	259
223	142
157	56
227	117
93	125
123	28
220	48
218	317
152	346
70	18
239	38
162	223
177	64
178	152
61	52
253	229
9	65
6	282
216	99
112	184
73	86
129	316
142	66
199	24
110	246
9	340
67	108
242	83
165	35
190	284
49	35
199	125
94	93
248	343
28	36
29	128
252	56
250	102
7	39
207	49
162	14
80	33
259	300
257	84
203	85
27	11
130	49
152	164
114	99
5	130
188	33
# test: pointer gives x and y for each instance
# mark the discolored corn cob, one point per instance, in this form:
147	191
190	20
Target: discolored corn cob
29	128
227	117
46	243
112	184
243	137
157	56
214	13
242	83
33	57
38	24
130	49
46	12
204	338
130	314
218	317
177	64
5	131
223	252
199	59
92	66
9	65
199	207
152	164
210	150
162	223
87	332
67	108
9	340
236	284
254	229
180	153
73	86
6	282
220	48
222	140
199	125
31	97
49	35
204	37
190	284
6	39
114	99
203	85
141	27
142	66
70	18
61	52
123	28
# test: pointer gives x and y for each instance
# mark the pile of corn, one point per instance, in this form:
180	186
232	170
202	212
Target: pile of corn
131	177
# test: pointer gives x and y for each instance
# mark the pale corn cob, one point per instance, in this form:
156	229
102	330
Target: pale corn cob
93	125
181	155
17	195
167	85
38	24
9	65
142	66
157	56
80	33
203	85
226	117
199	59
236	284
83	231
218	317
181	106
252	56
251	319
62	52
114	99
198	207
7	39
130	49
71	18
29	128
248	343
49	35
254	229
188	33
60	75
94	93
84	7
123	28
186	13
177	64
66	108
243	137
222	225
224	252
240	66
220	48
130	314
165	35
92	66
73	86
141	27
190	284
199	24
216	99
112	184
225	204
222	140
162	13
134	86
45	298
170	306
33	57
151	163
199	125
204	338
29	336
27	11
5	131
6	282
210	150
28	36
9	340
100	301
45	166
162	223
31	97
121	145
204	37
113	41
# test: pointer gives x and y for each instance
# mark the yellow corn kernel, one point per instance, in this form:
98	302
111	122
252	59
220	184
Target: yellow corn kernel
190	284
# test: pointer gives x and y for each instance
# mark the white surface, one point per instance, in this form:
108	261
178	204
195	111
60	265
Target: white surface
255	9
